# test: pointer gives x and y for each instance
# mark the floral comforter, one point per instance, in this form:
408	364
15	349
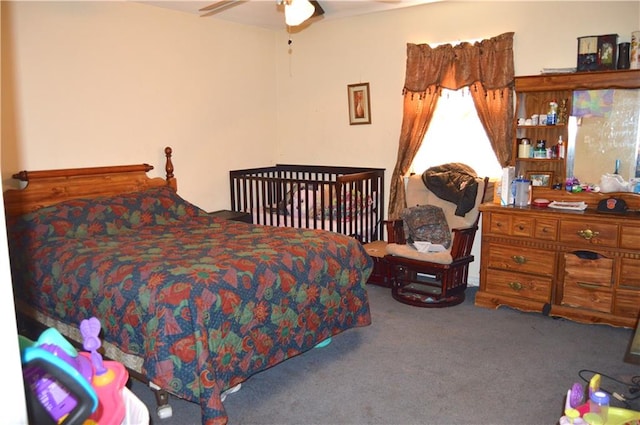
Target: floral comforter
205	302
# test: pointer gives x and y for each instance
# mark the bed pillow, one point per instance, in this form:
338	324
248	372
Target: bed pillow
426	223
159	205
106	215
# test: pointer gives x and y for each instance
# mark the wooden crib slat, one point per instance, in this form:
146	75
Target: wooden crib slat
259	190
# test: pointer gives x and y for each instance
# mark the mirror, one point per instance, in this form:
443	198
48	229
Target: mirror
604	133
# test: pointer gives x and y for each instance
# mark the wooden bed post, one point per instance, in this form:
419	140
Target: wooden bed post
169	165
168	168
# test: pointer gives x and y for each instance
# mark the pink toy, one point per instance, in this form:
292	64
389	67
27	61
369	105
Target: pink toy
109	378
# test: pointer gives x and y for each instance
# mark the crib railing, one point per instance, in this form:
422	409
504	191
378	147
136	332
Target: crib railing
347	200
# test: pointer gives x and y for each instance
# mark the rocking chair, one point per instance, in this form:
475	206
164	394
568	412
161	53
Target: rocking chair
433	279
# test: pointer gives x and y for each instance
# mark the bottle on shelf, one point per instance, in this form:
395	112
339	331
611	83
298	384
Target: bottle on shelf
552	115
560	147
524	148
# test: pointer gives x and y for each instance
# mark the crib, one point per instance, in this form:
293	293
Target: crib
347	200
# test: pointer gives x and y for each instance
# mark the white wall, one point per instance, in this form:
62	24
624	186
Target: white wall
106	83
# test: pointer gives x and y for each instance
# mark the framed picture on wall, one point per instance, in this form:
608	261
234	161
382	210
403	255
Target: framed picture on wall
359	105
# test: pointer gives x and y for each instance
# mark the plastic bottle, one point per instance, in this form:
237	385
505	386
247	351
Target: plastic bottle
522	188
560	147
599	404
552	115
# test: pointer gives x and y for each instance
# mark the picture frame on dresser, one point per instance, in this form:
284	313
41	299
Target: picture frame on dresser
597	52
607	51
587	53
540	178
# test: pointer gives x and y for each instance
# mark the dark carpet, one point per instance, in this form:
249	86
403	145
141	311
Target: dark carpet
457	365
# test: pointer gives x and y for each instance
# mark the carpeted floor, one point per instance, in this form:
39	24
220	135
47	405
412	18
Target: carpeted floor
457	365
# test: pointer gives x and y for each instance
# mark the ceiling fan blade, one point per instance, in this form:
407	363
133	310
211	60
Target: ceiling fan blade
319	10
219	6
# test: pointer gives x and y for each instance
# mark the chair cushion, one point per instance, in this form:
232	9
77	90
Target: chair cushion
426	223
442	257
376	249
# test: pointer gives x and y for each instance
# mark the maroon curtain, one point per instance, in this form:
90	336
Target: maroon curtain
486	67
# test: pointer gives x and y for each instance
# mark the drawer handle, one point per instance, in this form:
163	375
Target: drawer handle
587	234
588	285
516	286
519	259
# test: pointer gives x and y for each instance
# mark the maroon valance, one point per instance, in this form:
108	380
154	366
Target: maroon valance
489	61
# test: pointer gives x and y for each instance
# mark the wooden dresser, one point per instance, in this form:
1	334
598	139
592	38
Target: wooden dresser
580	265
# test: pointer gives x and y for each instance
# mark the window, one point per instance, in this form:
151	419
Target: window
456	135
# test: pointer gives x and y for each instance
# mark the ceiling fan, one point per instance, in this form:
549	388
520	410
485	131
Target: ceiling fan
295	11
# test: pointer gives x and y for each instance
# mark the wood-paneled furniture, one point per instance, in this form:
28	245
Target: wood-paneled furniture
533	94
580	265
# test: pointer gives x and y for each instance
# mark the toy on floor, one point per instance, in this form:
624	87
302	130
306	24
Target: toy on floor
595	410
71	387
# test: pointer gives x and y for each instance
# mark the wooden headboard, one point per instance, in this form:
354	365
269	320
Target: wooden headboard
48	187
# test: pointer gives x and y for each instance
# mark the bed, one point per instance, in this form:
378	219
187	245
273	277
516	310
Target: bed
189	302
347	200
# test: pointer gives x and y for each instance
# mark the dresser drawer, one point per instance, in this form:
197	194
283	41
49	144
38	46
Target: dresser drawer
591	233
521	285
512	225
522	226
500	224
521	259
587	281
546	229
592	297
629	273
627	303
630	237
588	269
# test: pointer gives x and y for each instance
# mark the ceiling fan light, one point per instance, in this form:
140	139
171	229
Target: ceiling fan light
297	11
